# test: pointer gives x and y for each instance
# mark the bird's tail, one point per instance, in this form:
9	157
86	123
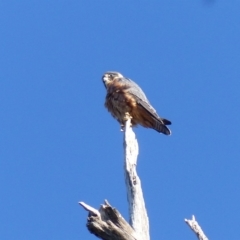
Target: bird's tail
159	126
148	118
165	121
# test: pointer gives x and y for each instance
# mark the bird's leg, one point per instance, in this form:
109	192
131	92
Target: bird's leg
126	117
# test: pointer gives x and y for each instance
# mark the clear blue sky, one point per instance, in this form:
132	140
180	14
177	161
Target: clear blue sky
58	145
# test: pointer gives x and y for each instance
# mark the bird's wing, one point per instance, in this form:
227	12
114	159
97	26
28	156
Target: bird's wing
140	97
142	100
133	89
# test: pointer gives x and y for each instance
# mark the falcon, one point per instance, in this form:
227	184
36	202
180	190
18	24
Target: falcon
124	96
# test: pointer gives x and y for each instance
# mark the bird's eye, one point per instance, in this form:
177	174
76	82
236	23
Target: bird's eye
110	75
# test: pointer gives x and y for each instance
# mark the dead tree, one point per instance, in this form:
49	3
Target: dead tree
107	223
193	224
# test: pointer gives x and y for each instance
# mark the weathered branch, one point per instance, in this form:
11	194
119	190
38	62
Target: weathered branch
193	224
107	223
137	210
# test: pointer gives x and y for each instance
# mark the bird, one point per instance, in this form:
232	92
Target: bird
124	96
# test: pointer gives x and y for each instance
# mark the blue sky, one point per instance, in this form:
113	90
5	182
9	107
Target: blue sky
59	146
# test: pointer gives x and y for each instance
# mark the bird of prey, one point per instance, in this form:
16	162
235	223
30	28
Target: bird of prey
125	96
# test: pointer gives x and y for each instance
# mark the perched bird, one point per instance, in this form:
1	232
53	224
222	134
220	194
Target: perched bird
125	96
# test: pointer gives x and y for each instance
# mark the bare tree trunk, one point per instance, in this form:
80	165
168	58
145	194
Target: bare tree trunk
137	210
107	223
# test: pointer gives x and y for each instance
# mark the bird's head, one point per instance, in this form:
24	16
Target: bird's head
108	77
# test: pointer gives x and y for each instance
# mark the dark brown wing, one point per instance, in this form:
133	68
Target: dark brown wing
157	123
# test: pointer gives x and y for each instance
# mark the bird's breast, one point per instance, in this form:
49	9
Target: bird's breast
119	102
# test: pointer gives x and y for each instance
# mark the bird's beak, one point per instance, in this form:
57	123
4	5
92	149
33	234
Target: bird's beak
105	78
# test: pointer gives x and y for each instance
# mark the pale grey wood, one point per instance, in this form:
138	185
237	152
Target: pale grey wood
90	209
107	223
193	224
137	210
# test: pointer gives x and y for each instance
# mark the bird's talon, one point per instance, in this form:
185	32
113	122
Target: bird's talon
127	116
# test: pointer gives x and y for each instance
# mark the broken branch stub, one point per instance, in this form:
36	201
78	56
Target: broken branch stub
107	223
193	224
